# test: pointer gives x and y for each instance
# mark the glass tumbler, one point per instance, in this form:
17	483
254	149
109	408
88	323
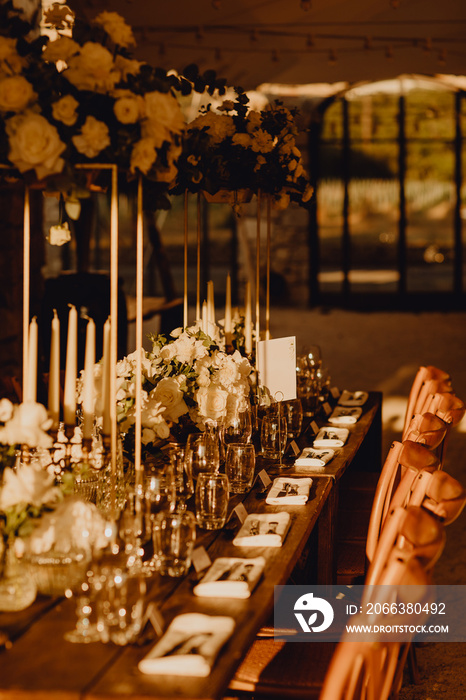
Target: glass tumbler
239	466
212	495
174	535
273	433
120	604
294	417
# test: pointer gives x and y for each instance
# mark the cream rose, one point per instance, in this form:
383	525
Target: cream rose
117	29
16	94
34	144
93	139
61	49
143	155
10	60
64	110
164	109
168	392
6	410
128	109
92	69
212	401
29	484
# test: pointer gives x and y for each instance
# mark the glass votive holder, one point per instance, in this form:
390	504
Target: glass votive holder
239	466
173	536
273	433
120	597
293	410
211	498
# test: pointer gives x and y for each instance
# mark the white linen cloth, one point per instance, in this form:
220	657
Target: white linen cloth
311	457
353	398
288	491
263	530
230	577
343	415
189	647
331	437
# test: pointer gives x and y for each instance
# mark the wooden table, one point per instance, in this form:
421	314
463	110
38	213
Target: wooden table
40	664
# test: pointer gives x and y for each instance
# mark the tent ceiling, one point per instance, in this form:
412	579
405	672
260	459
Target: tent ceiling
250	42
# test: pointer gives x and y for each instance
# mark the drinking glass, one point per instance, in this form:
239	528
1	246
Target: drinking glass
237	425
294	417
314	356
273	433
184	487
212	495
120	604
202	453
239	466
323	378
174	535
85	631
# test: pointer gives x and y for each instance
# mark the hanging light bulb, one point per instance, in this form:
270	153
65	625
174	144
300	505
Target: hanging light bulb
332	58
306	5
310	41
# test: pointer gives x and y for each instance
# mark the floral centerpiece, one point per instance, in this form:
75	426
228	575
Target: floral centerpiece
187	380
234	147
82	99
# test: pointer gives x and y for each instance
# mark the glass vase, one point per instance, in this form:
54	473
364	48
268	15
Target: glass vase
17	588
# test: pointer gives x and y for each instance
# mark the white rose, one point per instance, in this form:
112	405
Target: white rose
64	110
168	392
92	69
128	109
127	66
29	484
164	109
60	49
34	144
10	60
117	29
93	139
162	430
148	436
151	413
16	94
143	155
6	410
60	234
212	402
27	426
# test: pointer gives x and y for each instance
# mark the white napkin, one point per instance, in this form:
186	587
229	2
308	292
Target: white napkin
230	577
353	398
288	491
263	530
344	416
311	457
189	647
331	437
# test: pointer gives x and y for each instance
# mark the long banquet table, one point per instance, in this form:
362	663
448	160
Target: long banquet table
39	663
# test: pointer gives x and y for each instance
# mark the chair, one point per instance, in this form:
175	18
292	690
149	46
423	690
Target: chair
447	406
408	533
423	375
404	459
438	493
427	429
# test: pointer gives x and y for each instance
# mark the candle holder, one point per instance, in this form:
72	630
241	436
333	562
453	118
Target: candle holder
69	434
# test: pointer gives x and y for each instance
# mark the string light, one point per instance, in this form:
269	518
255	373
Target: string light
332	58
306	5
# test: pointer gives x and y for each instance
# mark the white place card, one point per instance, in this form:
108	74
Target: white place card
264	478
276	365
327	408
335	392
314	427
200	559
241	512
295	447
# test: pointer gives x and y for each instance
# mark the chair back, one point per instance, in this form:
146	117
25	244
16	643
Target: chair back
447	406
428	429
404	461
439	493
407	534
423	375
